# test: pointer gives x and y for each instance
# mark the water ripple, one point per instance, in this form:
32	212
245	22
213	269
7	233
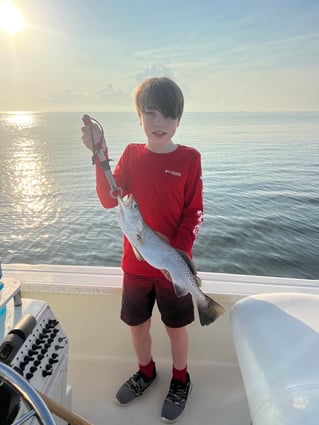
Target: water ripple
260	174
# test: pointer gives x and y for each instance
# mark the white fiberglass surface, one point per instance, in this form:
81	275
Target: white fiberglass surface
217	396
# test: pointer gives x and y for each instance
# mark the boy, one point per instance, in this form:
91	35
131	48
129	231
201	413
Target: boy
165	179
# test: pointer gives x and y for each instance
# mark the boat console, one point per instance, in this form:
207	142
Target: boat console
33	343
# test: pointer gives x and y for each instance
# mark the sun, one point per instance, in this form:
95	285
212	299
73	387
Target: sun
11	20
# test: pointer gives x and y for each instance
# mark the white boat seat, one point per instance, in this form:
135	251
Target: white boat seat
276	339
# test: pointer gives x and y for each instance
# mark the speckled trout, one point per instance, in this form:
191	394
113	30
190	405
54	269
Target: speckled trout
159	254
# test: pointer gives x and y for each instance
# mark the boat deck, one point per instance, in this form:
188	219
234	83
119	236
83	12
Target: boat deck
86	301
217	396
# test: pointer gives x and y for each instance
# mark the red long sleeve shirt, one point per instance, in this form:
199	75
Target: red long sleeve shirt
168	190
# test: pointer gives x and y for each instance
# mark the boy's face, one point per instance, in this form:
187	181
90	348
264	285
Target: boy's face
158	129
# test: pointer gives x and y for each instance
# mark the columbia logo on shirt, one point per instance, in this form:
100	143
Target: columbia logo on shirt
173	173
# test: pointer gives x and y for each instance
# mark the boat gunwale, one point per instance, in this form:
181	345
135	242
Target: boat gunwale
107	280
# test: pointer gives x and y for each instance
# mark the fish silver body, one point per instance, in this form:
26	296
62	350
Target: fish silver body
159	254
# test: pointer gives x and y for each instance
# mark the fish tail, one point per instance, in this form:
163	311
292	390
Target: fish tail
209	310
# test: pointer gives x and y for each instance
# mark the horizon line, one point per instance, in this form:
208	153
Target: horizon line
134	112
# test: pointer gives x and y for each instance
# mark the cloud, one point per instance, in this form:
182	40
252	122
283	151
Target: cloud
108	98
154	70
111	95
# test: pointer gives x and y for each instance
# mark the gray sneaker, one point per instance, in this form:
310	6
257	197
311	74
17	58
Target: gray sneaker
134	387
175	401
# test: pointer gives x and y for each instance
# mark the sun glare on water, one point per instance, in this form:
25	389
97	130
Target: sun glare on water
21	119
11	20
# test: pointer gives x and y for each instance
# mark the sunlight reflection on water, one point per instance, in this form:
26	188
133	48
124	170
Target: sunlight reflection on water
22	119
27	180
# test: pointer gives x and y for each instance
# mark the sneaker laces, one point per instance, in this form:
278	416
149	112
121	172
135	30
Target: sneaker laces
137	383
177	393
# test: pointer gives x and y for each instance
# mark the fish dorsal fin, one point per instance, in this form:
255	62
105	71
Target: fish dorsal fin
187	260
191	265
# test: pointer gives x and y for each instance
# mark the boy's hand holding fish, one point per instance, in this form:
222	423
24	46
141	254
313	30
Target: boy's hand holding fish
153	248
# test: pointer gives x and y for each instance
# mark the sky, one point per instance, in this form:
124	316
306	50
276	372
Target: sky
230	55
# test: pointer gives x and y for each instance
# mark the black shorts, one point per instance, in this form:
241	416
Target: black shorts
138	299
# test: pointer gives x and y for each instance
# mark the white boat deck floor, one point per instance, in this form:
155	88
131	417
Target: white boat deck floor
217	397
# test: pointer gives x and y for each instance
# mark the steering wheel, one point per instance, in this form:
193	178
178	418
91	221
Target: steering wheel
29	395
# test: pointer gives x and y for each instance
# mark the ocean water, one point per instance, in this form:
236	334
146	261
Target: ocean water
261	191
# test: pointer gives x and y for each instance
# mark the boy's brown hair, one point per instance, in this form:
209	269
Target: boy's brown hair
161	94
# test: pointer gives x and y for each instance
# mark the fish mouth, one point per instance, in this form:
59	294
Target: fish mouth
125	202
121	204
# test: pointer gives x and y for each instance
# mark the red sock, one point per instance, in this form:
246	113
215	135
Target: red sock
180	375
147	370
